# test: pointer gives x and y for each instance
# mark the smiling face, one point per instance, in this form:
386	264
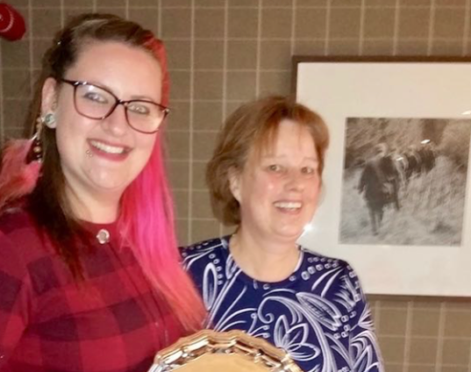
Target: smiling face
278	190
102	157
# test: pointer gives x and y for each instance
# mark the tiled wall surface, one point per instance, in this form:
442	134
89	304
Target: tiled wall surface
224	52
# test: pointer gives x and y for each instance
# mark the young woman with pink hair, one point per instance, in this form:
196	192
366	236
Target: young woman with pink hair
90	276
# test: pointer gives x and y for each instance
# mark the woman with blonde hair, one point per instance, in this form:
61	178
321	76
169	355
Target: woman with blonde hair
265	178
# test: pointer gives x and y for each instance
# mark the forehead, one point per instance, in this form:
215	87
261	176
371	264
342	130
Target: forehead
122	67
286	137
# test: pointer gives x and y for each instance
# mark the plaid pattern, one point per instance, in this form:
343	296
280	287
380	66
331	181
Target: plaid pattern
110	322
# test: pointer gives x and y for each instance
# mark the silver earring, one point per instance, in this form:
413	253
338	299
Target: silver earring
49	120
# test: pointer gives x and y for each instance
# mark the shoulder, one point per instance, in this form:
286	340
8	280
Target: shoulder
314	258
199	254
17	225
13	219
213	244
369	166
20	236
333	262
332	275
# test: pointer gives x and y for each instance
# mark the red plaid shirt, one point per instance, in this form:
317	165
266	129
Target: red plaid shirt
112	321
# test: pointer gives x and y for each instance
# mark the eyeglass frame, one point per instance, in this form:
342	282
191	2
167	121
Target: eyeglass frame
77	83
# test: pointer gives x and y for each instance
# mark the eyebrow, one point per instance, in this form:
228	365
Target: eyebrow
268	157
145	98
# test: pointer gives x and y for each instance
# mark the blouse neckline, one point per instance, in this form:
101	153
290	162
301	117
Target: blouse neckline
289	281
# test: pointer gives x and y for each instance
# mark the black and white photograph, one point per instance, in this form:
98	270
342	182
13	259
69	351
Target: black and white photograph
396	196
404	181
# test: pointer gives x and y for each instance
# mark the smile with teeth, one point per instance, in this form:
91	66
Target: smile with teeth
108	148
288	205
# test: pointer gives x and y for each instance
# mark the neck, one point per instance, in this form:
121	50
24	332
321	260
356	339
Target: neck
262	259
93	208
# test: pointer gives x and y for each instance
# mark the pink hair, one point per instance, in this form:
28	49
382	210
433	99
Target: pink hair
17	178
146	216
148	222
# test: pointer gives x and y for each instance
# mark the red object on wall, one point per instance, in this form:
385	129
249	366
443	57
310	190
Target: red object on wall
12	23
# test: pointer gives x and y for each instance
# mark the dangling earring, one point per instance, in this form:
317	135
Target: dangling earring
36	153
37	150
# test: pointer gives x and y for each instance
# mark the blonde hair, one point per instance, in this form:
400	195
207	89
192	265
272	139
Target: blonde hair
254	127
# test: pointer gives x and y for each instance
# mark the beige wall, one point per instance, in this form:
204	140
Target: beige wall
223	52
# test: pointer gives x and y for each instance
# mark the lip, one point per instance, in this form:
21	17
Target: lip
296	206
97	147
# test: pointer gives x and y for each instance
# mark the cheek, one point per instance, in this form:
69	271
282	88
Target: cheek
71	126
265	186
145	146
313	189
66	137
70	139
272	185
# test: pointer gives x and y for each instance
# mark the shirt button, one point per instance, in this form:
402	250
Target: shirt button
103	236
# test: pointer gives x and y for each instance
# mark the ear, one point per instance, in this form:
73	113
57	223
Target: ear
235	183
49	96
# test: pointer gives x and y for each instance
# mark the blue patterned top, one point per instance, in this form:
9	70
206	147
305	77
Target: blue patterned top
319	314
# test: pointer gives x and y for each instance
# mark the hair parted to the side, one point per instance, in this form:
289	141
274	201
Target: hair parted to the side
146	210
253	127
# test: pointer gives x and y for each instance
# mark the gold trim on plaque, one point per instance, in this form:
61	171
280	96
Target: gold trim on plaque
232	351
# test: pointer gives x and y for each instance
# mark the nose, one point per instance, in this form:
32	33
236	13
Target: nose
294	181
116	123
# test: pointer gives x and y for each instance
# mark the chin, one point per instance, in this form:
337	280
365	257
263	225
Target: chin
110	187
289	235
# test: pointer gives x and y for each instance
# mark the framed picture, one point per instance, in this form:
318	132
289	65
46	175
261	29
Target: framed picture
395	201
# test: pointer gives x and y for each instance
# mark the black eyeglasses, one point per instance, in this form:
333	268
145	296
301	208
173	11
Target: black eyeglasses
98	103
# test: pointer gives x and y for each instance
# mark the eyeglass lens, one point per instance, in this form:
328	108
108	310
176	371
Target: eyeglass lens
96	103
